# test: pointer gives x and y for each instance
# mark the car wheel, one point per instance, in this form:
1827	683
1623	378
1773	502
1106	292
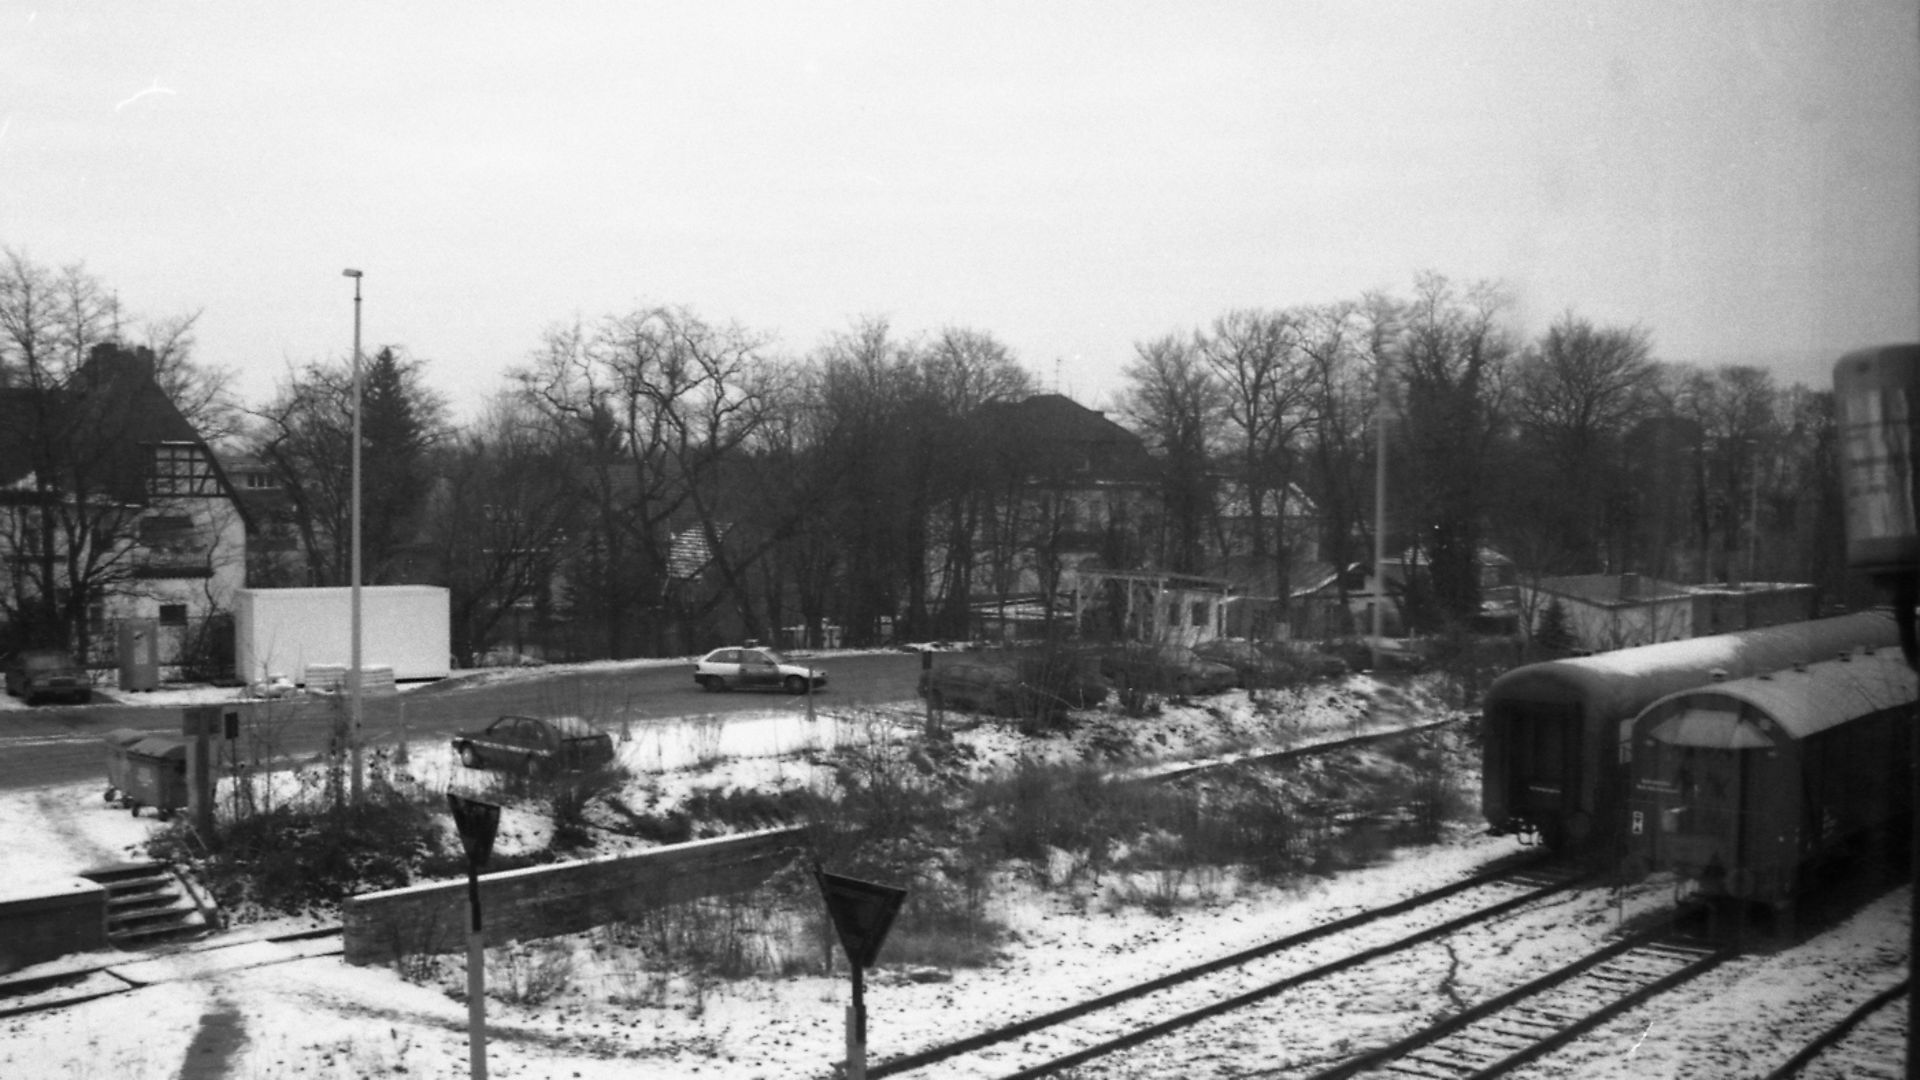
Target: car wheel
710	684
796	685
535	768
469	757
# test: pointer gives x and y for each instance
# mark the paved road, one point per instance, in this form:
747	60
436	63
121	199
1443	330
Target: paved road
62	744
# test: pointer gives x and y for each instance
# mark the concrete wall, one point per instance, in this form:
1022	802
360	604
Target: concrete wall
564	898
45	919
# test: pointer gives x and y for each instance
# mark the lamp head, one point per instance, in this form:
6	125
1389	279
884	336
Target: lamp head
350	273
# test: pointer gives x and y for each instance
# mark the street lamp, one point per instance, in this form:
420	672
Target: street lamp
353	671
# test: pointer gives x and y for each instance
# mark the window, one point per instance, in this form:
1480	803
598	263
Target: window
166	530
1202	613
180	469
173	614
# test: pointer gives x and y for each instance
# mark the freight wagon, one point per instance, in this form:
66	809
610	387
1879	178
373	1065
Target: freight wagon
1748	788
1552	769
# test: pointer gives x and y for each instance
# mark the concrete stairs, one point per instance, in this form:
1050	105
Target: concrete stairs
152	903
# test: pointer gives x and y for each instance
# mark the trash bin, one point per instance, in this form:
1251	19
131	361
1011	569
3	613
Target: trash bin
119	741
157	774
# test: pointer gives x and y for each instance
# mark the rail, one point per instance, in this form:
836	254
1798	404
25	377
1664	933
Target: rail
1510	872
1839	1031
1514	1028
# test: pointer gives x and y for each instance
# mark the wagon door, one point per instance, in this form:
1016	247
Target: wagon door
1543	784
1696	788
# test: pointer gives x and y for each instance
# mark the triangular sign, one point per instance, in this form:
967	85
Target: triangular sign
477	821
862	914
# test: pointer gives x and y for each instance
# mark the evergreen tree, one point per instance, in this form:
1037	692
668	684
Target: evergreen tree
1553	634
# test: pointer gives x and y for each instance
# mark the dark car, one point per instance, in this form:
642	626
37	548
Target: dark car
534	745
36	675
754	668
974	686
1014	685
1265	664
1166	669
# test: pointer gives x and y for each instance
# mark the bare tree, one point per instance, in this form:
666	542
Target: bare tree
1268	396
497	520
1334	340
305	436
1577	391
960	371
1737	409
1453	353
865	379
1175	400
654	405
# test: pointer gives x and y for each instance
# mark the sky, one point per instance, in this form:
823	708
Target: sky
1741	179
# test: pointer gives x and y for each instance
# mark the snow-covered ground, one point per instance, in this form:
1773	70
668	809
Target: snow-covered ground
249	1011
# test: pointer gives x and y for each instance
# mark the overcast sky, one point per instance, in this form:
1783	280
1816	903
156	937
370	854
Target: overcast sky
1742	178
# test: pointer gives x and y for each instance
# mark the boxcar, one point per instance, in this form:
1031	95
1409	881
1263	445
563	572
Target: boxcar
1748	787
1552	767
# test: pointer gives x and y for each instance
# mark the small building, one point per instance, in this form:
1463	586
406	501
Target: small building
1148	606
1612	611
1723	609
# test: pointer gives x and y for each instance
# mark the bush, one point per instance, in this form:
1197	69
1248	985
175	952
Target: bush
568	796
293	858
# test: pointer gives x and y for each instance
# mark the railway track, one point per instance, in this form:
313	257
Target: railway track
1887	1042
1077	1033
1514	1028
1292	753
73	986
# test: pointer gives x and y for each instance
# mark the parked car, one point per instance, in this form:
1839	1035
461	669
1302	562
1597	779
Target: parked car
1014	684
36	675
1259	665
754	668
534	745
1166	669
974	685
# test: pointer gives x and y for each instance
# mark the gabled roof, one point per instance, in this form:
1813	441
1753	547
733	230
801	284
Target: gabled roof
690	554
97	430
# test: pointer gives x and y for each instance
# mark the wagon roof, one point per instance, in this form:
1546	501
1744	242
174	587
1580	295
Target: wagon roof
1629	679
1800	700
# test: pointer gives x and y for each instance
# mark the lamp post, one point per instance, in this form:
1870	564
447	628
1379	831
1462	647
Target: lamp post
353	670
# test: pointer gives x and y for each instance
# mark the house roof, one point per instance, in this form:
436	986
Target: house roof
1613	590
96	431
1058	436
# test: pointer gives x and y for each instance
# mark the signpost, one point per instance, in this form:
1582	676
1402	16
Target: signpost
862	914
477	821
203	723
